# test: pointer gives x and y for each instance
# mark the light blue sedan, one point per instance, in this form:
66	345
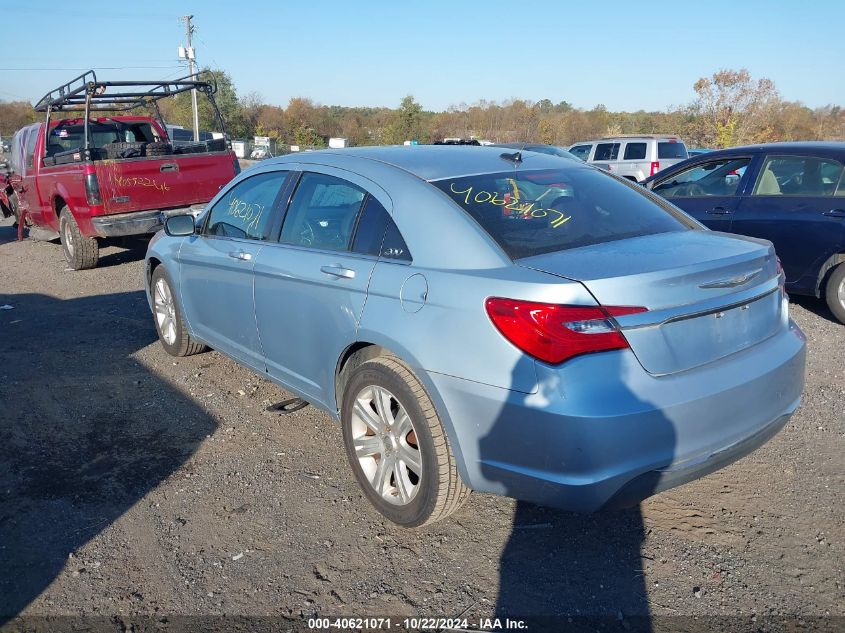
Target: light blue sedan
476	318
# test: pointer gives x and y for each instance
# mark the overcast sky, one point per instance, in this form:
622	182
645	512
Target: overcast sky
626	55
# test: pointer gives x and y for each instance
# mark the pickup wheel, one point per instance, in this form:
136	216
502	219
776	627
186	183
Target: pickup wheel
171	328
835	292
81	252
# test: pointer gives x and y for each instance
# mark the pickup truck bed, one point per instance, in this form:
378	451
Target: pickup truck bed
115	187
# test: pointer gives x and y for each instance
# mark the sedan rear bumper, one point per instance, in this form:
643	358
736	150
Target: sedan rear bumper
600	432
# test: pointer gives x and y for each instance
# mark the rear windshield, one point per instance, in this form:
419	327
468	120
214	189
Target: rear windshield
71	136
671	149
541	211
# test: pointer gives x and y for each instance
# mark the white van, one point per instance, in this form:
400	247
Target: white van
632	157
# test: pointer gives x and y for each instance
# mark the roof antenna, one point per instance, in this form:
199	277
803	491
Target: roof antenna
516	157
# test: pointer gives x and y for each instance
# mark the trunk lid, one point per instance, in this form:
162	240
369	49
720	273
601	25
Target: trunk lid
162	182
708	294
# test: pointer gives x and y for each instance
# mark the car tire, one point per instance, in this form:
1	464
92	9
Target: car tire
167	316
216	145
421	483
116	150
159	148
81	252
835	292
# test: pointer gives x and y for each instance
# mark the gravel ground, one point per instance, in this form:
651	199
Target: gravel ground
133	484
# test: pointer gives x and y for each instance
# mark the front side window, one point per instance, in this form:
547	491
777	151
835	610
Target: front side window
322	213
635	151
247	208
713	178
798	176
606	151
541	211
581	151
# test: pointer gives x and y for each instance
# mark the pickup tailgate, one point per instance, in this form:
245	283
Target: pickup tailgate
162	182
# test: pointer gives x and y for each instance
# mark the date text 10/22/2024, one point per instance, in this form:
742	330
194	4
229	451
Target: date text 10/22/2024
416	624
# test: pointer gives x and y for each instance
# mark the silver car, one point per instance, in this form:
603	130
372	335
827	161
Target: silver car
507	322
634	157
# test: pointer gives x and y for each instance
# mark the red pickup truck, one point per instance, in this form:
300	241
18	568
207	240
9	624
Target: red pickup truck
83	179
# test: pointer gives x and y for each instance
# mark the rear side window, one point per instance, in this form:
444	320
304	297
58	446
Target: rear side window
378	235
541	211
246	211
671	149
30	146
322	213
635	151
16	162
581	151
607	151
798	176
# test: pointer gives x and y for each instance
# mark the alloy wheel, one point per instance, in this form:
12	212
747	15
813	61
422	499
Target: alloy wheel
165	311
386	446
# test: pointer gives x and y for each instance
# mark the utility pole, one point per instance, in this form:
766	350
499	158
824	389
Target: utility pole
190	56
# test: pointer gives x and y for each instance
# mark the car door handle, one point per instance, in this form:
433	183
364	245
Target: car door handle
338	271
242	255
835	213
718	211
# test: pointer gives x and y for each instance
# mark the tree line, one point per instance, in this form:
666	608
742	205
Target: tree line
730	108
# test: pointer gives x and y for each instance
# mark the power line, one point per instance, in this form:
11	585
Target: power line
84	68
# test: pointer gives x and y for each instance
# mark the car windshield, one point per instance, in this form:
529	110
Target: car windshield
541	211
671	149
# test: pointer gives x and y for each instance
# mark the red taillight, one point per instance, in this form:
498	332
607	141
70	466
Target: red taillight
655	167
555	333
92	189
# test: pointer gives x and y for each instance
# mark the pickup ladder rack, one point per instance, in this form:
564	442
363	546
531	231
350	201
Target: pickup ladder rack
86	93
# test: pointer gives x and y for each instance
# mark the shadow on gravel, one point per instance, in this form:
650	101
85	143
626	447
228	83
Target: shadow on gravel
8	232
816	306
86	431
133	249
561	570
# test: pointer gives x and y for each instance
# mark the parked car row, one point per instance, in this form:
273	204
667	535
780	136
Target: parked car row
632	157
792	194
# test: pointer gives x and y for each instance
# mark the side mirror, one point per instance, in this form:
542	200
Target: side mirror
179	225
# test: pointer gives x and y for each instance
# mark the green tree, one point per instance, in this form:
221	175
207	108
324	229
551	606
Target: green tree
405	124
732	108
178	109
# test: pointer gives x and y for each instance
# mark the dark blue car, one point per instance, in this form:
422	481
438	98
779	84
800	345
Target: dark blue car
792	194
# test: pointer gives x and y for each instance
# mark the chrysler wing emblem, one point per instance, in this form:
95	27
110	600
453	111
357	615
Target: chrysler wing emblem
732	282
